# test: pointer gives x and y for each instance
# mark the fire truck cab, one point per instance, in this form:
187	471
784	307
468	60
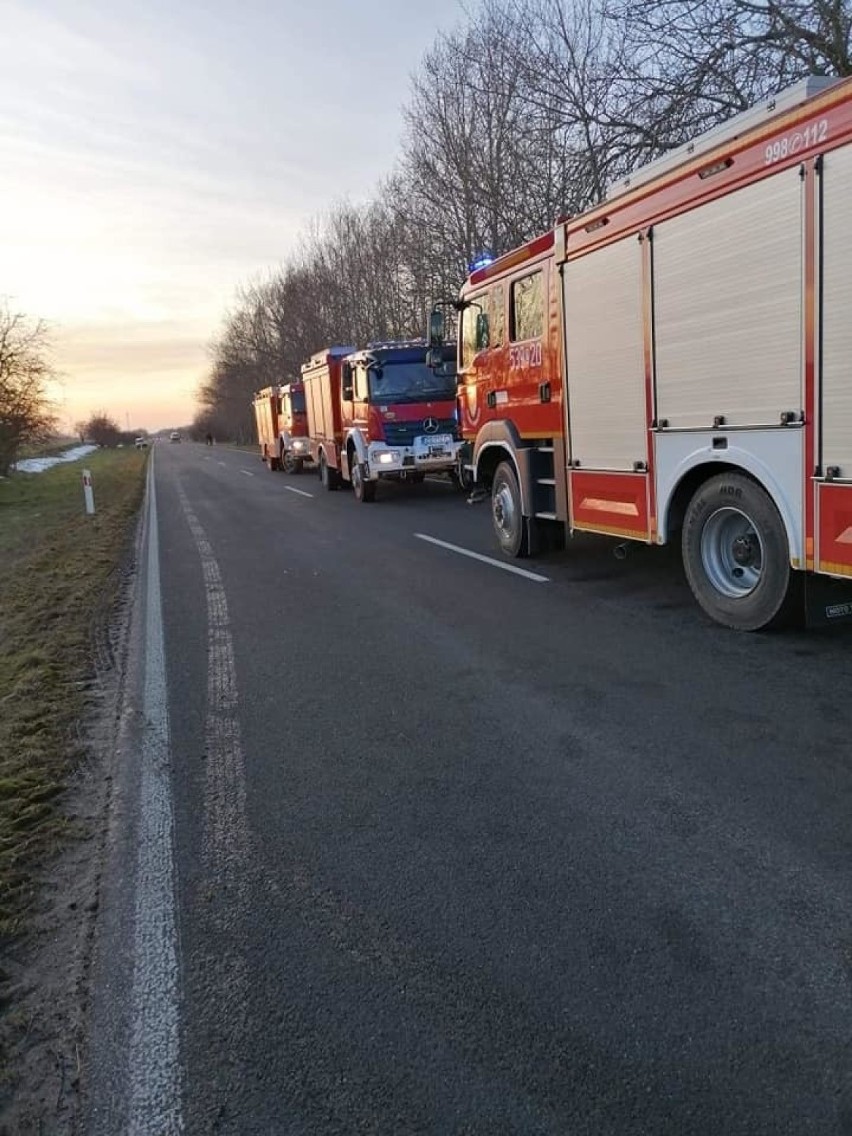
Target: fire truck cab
293	444
281	425
382	413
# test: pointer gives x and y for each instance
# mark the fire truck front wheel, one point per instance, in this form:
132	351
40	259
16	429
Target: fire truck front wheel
736	555
365	491
290	463
507	512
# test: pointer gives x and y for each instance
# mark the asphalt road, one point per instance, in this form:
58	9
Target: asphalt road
406	843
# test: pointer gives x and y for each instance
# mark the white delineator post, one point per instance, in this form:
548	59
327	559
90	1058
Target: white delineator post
88	492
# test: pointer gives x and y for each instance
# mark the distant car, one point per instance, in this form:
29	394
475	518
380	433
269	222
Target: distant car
174	436
141	443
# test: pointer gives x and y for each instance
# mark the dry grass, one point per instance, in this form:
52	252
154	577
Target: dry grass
56	444
58	576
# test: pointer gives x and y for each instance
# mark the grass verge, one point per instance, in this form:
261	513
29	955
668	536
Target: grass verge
58	576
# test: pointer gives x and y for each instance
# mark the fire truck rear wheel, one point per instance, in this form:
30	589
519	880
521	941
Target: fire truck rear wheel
507	512
328	477
736	555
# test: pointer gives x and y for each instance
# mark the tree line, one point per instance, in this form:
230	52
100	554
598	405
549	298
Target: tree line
528	110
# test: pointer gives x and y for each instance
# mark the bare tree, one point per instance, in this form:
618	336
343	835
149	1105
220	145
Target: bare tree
690	64
468	137
102	430
26	413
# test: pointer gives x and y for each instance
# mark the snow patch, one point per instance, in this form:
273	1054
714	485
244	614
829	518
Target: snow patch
39	465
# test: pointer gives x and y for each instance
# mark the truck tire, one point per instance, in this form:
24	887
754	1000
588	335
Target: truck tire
736	555
288	462
328	477
507	512
365	491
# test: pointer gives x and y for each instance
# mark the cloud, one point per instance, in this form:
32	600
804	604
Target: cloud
155	156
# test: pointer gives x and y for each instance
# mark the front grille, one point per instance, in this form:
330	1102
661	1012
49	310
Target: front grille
404	433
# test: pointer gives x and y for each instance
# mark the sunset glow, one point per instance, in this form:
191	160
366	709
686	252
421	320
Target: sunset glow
155	160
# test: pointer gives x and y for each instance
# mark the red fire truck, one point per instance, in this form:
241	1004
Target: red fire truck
381	413
282	428
676	361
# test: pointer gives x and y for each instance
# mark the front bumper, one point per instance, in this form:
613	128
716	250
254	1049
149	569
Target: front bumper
426	455
300	449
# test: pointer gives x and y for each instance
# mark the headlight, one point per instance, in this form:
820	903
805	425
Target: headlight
385	457
300	443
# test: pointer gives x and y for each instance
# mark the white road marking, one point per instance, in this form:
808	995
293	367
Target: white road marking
225	830
301	492
485	559
154	1057
208	459
247	473
220	463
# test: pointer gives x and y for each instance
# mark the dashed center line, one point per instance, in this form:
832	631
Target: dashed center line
247	472
485	559
220	463
301	492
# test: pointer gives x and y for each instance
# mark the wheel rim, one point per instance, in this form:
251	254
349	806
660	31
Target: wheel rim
732	553
505	513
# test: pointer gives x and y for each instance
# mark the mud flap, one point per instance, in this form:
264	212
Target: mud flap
535	536
827	601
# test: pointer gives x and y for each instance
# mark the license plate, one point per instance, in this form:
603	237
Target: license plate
439	442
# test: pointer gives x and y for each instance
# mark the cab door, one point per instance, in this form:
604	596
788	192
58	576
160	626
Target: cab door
360	399
481	362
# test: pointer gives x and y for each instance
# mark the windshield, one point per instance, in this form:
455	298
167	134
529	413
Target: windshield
297	402
409	382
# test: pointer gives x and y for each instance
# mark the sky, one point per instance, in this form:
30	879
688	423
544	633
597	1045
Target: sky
156	156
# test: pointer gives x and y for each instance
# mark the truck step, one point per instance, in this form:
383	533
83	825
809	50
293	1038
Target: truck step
545	481
546	516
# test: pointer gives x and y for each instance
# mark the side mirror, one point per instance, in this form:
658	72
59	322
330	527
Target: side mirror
436	329
435	358
483	336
